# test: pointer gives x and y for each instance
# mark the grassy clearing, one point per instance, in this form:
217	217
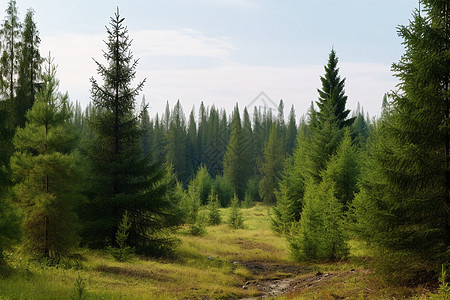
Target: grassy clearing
205	268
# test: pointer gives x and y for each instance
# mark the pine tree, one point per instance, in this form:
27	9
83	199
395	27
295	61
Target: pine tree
45	173
10	37
333	92
403	207
235	220
121	178
176	142
146	127
203	183
291	131
271	167
325	138
194	219
292	184
213	206
192	151
237	170
321	233
29	66
343	170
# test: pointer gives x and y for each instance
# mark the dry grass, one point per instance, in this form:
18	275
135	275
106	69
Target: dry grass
213	266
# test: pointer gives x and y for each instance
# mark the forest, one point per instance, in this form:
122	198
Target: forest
111	181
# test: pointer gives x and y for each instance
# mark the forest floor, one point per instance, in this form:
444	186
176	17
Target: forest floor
250	263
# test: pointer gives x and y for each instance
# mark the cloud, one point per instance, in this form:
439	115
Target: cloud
182	42
222	83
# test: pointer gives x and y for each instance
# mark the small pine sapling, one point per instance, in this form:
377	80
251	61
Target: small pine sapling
79	289
124	252
213	206
235	220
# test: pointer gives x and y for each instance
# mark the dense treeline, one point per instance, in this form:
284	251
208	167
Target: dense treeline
109	176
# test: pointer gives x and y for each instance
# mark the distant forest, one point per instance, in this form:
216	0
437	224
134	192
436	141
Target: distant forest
109	176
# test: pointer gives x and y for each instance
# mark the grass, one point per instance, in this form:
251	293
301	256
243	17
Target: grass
206	267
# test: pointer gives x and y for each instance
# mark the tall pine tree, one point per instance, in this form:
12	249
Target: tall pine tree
333	92
122	179
29	66
403	208
46	174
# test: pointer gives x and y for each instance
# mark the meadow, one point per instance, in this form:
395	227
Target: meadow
224	263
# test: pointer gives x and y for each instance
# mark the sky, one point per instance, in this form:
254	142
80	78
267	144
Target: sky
224	52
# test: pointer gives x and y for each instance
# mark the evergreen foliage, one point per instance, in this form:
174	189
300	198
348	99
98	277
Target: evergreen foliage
176	142
9	59
292	185
203	183
194	219
321	232
404	203
270	167
122	178
213	206
29	69
237	168
332	94
343	170
123	252
235	219
45	173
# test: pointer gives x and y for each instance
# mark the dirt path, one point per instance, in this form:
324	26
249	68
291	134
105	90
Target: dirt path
277	280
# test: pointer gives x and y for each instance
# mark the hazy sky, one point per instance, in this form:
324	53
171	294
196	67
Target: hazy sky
227	51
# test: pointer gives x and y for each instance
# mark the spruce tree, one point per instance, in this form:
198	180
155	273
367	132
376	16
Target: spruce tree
403	207
291	131
343	170
203	182
146	127
321	233
121	178
45	173
292	184
29	66
235	219
333	92
237	170
213	206
176	142
271	167
10	38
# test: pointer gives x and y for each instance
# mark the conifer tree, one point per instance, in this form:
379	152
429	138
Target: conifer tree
122	179
203	183
403	207
292	184
237	170
45	173
176	142
343	170
333	92
29	66
291	131
157	141
192	144
147	128
324	141
10	38
321	233
235	220
213	206
271	167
